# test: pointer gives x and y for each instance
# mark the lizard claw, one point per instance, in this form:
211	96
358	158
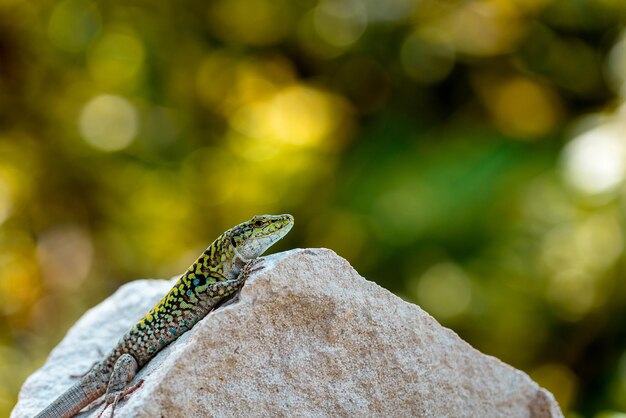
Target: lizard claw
119	397
80	376
252	267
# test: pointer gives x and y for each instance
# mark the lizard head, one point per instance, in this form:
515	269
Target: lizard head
252	238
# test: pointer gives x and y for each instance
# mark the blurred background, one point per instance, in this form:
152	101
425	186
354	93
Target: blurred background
467	155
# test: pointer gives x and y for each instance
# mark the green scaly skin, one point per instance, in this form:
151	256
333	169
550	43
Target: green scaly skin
219	272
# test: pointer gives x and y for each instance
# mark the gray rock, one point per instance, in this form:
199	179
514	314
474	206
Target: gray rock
307	337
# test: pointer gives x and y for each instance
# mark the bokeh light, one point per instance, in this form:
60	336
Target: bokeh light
108	123
616	67
484	28
595	161
340	22
522	107
253	22
117	57
5	200
74	24
65	255
559	380
296	115
444	290
427	61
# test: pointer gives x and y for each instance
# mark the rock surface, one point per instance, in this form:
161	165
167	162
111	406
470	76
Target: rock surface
307	337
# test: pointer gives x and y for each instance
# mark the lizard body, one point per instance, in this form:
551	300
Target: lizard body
220	271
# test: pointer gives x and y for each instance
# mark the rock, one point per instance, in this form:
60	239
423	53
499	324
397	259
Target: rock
307	337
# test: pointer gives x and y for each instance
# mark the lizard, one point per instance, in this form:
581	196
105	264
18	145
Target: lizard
219	272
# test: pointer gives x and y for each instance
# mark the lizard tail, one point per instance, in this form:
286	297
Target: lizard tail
68	404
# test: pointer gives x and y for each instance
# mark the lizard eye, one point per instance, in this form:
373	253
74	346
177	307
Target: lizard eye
258	223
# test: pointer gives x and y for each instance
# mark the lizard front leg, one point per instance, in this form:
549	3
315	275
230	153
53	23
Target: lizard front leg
223	288
251	266
123	372
220	292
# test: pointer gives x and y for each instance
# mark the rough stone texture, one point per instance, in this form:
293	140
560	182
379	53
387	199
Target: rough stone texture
308	337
